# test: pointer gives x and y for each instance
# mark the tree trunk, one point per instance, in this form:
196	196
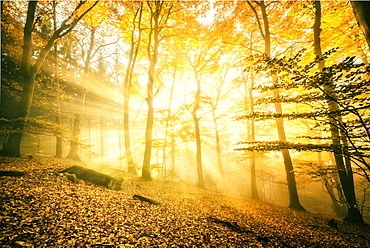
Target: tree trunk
153	35
59	140
292	185
361	10
344	171
73	152
167	124
338	209
252	157
156	8
127	91
172	156
120	145
197	133
102	129
289	170
11	146
218	148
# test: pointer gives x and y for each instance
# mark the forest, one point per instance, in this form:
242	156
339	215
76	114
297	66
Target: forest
268	100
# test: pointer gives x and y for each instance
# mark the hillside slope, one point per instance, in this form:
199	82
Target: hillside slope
44	209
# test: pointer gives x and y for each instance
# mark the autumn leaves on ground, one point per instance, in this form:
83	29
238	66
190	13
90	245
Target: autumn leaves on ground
44	209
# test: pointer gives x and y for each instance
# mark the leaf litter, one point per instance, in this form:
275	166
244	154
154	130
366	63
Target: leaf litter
44	209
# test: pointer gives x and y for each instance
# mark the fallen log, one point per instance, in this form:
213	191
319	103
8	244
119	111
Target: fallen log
142	198
95	177
231	225
12	173
71	177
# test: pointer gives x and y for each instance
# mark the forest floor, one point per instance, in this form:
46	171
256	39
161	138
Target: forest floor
44	209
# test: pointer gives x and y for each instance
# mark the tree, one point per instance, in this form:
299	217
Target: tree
159	11
59	140
252	134
134	49
28	72
73	151
361	10
265	33
343	164
202	62
164	156
214	100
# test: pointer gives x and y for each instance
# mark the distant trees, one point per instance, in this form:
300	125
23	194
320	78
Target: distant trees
182	59
202	62
29	70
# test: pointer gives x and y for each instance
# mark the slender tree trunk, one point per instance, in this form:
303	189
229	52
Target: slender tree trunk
338	209
197	132
167	124
120	145
156	10
344	169
73	152
59	140
89	131
218	148
77	120
126	128
289	170
173	143
153	56
252	157
127	90
292	185
102	140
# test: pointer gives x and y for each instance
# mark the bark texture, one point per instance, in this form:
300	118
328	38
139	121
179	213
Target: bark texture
361	10
344	169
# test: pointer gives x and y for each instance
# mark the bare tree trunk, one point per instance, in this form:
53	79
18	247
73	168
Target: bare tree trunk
127	90
120	145
59	140
218	147
289	170
252	157
344	169
173	156
153	56
73	152
156	9
164	162
197	133
102	127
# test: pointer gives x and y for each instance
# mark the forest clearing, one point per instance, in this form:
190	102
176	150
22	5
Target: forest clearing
186	123
44	209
